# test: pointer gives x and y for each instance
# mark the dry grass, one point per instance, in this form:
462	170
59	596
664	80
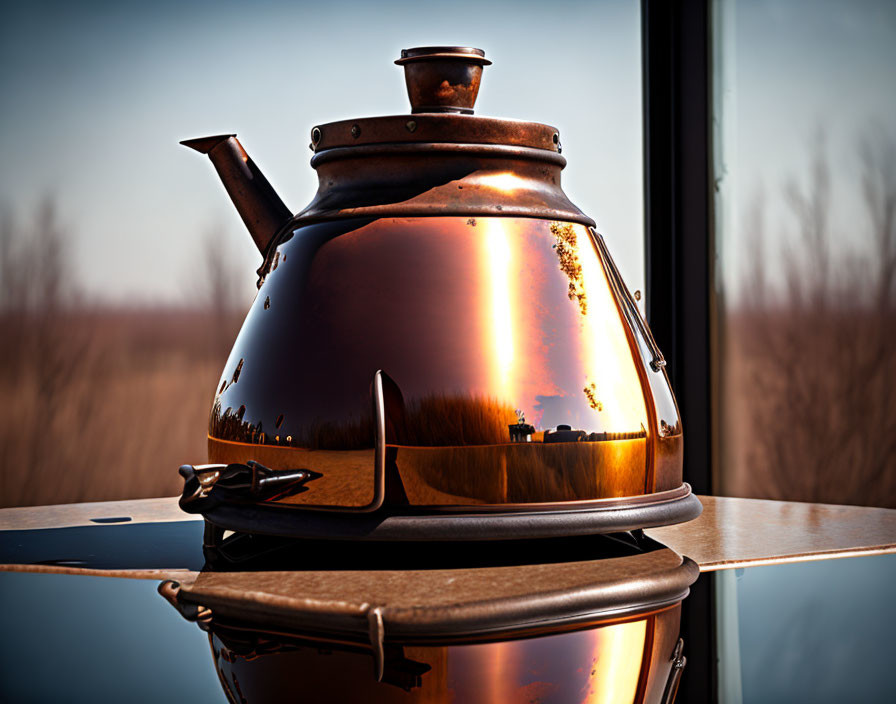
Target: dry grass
103	405
524	472
811	407
809	362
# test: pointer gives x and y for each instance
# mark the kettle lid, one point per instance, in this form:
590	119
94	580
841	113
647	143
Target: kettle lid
441	159
442	84
443	78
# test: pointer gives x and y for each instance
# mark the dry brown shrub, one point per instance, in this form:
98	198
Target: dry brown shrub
809	370
99	403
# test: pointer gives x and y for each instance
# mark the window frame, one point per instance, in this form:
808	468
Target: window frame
679	255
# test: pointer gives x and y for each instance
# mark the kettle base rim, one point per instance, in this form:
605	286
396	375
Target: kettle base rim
649	511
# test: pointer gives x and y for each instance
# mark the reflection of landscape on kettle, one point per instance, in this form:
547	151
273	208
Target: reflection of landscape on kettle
472	326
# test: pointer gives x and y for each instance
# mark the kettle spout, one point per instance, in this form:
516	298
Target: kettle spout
255	199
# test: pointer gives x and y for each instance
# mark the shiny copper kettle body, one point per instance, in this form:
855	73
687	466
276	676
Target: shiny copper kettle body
440	333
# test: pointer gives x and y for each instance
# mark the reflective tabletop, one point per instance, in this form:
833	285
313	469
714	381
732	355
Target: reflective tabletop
784	632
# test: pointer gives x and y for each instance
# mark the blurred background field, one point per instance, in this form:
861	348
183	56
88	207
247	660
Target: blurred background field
807	338
121	292
105	402
102	402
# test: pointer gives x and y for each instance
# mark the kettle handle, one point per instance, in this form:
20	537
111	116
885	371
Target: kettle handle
630	308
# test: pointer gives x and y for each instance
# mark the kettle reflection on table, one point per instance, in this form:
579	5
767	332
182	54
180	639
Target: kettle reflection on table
593	619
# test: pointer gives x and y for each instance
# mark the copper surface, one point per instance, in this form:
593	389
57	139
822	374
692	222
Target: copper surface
403	525
437	129
438	53
602	628
438	179
440	254
258	204
432	604
658	660
621	663
734	532
442	78
481	327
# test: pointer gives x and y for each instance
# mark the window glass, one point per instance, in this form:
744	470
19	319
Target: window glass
807	632
126	271
805	175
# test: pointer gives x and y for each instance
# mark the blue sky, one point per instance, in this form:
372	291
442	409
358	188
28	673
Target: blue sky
97	95
802	71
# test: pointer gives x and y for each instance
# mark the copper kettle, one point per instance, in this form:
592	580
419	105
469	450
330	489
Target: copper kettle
441	346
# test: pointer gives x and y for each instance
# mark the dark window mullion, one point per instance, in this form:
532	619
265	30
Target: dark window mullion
678	249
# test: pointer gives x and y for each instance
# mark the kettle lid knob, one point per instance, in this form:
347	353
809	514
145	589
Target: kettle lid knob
443	78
